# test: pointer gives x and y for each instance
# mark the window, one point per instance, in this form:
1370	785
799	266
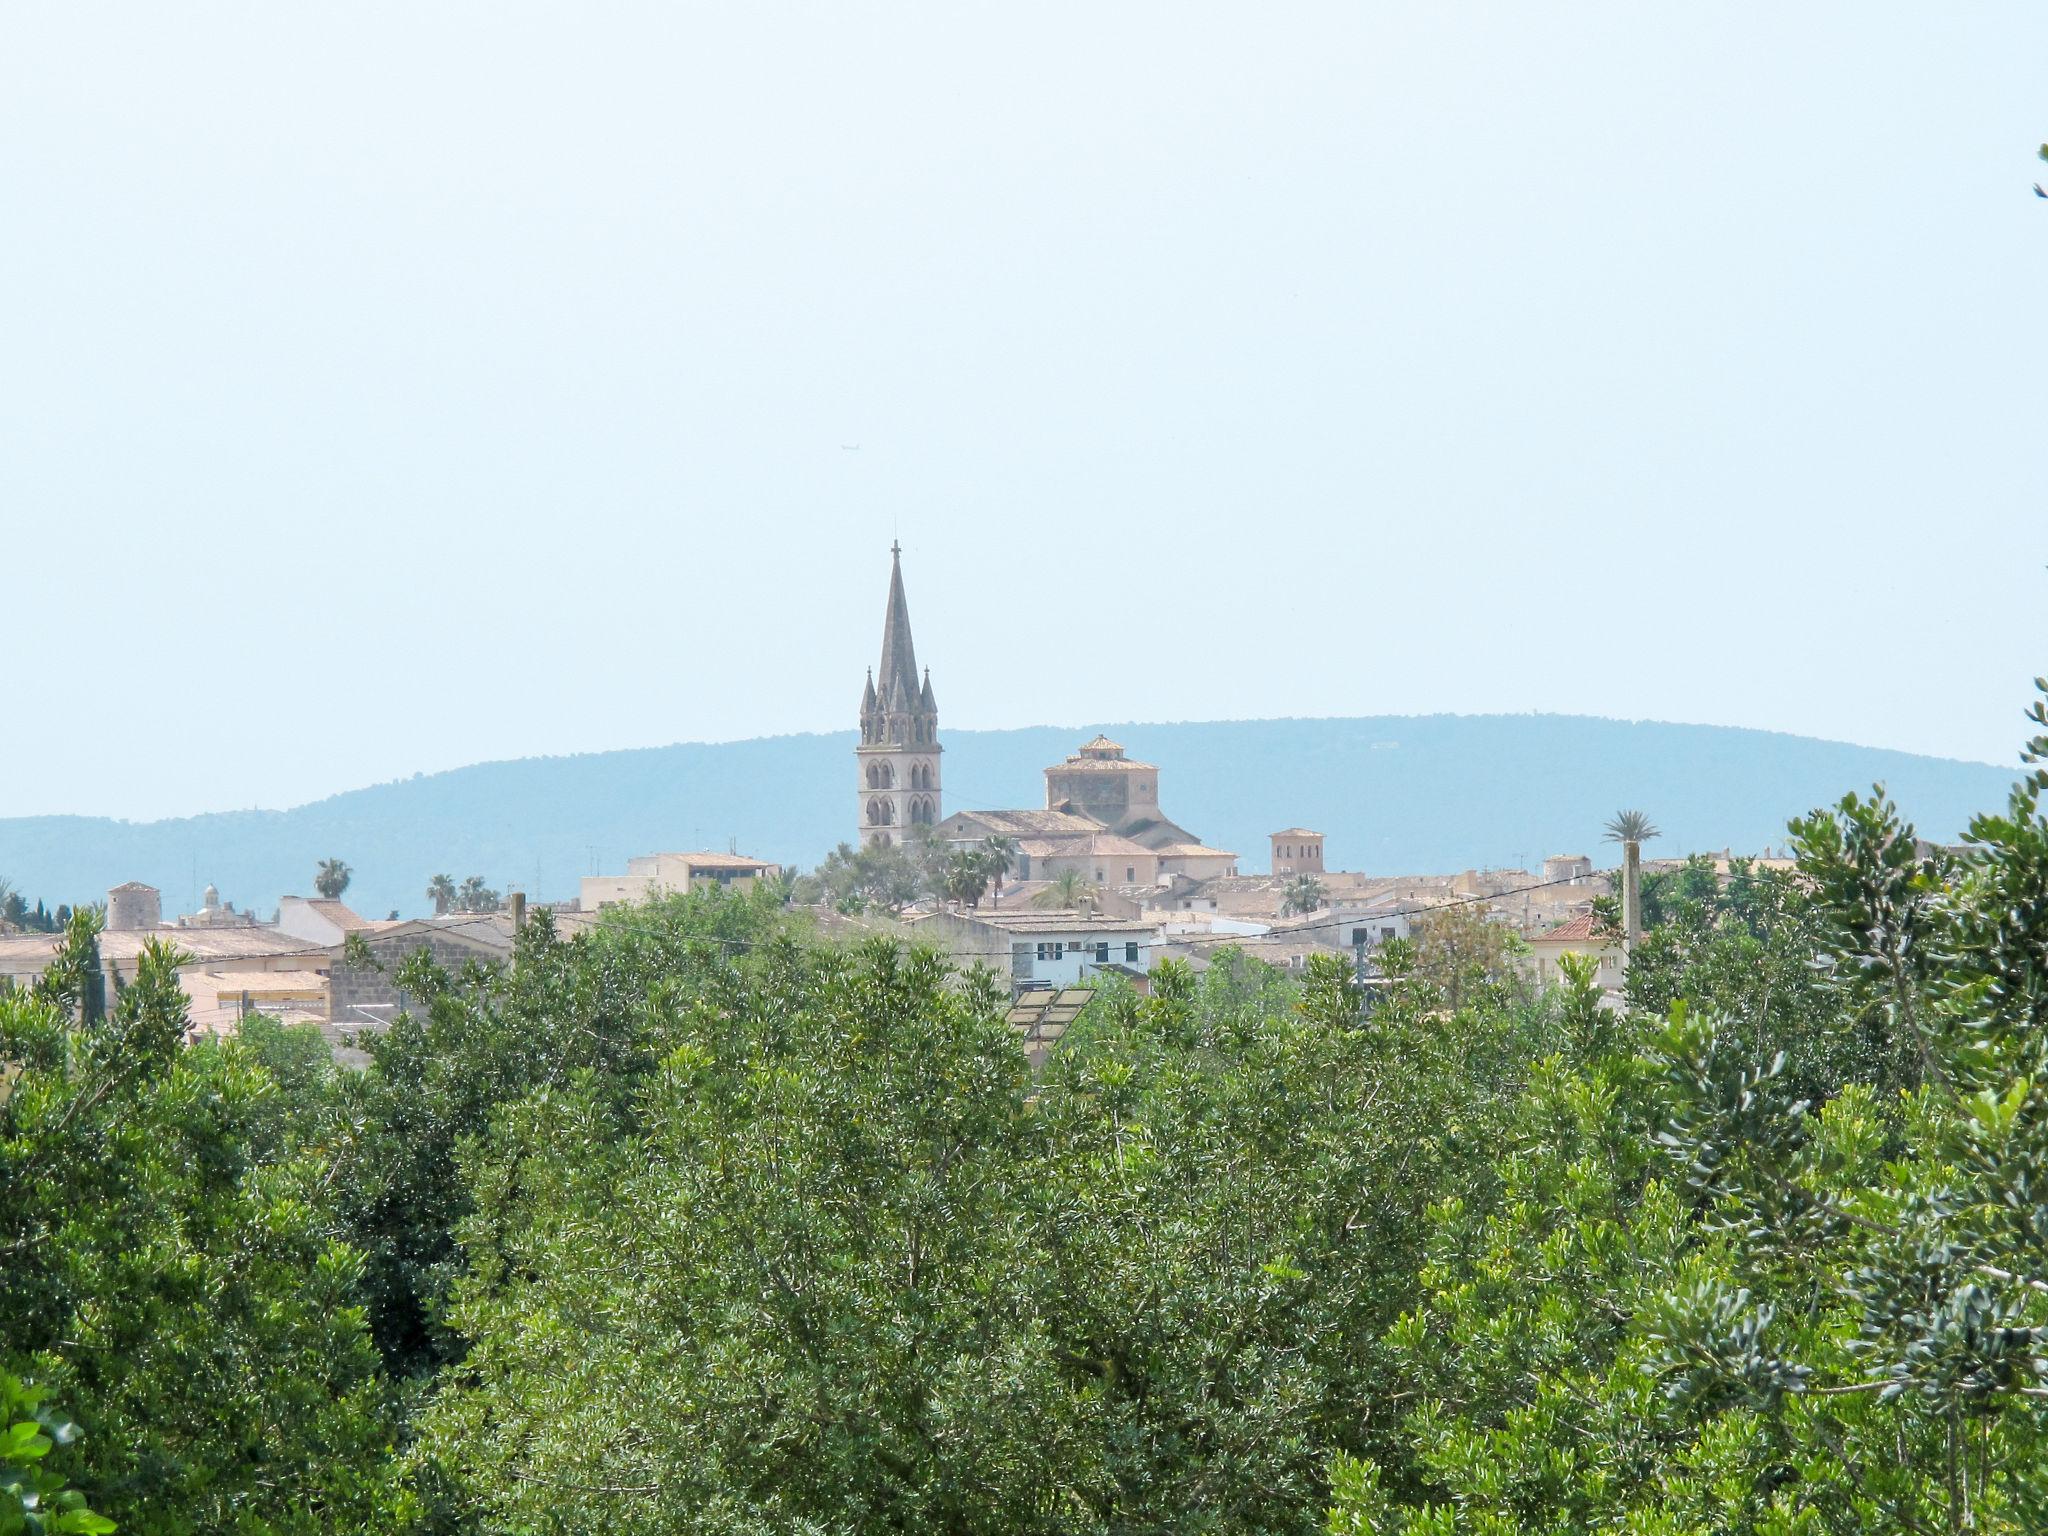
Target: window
1052	951
1102	952
1020	961
1360	937
1130	874
1131	953
1098	877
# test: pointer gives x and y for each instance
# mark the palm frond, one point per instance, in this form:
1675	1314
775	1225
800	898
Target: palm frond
1631	827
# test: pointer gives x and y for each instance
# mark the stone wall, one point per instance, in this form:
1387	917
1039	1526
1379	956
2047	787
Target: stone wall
363	994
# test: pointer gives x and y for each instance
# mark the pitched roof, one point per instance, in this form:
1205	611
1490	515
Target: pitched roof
1579	930
1026	823
1296	832
21	951
1192	851
717	860
337	913
1118	764
479	930
1095	842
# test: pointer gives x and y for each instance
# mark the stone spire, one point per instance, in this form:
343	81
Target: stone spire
898	681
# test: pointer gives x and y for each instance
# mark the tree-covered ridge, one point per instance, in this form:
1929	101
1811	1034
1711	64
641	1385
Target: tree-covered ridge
698	1223
538	823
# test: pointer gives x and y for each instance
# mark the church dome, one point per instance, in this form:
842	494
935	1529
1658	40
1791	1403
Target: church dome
210	902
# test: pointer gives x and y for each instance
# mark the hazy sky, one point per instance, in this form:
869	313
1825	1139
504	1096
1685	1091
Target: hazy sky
386	387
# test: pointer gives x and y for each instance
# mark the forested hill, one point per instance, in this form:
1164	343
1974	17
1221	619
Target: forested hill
1392	794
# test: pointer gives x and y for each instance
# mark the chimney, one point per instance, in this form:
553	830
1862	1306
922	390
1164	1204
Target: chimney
516	900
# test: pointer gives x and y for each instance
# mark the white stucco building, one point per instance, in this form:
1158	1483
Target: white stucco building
1042	949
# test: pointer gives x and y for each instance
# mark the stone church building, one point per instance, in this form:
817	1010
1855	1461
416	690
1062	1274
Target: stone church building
1101	819
899	749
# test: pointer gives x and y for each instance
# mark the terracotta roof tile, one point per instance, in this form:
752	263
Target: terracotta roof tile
1578	930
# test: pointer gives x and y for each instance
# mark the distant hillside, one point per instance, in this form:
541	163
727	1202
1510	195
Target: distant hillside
1393	795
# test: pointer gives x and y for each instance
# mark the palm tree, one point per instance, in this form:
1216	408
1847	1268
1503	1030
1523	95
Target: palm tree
474	896
441	892
1631	829
1304	894
333	878
965	877
999	852
1065	891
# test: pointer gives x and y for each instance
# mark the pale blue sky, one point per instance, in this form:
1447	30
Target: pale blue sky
386	387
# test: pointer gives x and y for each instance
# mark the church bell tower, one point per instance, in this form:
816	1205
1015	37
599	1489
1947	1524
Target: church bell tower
898	754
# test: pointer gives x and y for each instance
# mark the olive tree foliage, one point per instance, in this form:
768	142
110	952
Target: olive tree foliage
34	1497
1755	947
1712	1296
172	1268
875	877
806	1247
783	1285
1235	1205
490	1035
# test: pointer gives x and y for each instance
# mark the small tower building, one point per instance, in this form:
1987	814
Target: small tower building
898	755
1297	851
1567	868
134	908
